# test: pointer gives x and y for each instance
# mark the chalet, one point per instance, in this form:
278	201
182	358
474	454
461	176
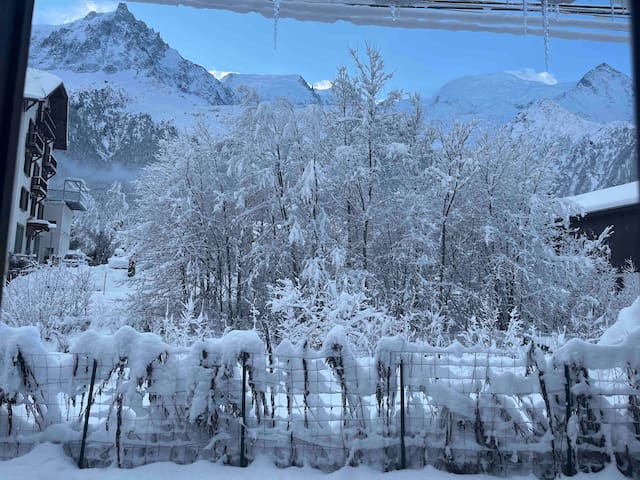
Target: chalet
618	207
43	130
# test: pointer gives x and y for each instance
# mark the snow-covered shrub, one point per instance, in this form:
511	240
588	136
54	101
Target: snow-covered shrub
53	299
310	315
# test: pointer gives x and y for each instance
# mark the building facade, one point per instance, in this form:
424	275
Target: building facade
59	207
618	208
43	130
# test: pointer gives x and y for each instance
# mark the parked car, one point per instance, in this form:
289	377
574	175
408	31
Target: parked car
119	260
75	259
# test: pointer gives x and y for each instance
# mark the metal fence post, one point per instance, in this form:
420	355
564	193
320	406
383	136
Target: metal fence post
403	452
243	412
87	413
567	376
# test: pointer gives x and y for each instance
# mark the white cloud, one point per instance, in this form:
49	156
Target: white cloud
530	74
219	74
322	85
71	11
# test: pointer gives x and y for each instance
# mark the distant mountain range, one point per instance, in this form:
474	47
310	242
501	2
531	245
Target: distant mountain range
129	89
270	87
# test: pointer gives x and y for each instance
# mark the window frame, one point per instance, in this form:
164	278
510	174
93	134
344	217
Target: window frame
15	31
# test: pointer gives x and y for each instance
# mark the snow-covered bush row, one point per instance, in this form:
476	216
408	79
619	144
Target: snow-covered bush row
362	216
463	409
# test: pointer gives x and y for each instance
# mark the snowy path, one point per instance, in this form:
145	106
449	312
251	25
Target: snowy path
47	461
111	290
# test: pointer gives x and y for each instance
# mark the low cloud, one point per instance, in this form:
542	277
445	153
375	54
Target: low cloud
71	11
531	75
322	85
219	74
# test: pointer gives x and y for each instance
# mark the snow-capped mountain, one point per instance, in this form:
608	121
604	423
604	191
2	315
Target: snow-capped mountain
270	87
120	48
587	125
587	155
127	87
602	95
495	98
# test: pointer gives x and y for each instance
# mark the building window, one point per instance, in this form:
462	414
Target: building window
24	199
17	248
40	211
34	205
27	162
36	246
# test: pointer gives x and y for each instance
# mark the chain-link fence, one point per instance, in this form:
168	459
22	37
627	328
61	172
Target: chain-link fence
460	410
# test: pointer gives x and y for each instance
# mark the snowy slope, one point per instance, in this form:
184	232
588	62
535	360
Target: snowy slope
602	95
270	87
548	121
496	98
587	155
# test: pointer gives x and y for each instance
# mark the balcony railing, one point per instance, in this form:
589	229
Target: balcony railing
47	125
38	187
75	199
36	144
50	166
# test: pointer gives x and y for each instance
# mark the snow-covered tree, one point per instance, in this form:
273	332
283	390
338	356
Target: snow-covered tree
95	231
360	215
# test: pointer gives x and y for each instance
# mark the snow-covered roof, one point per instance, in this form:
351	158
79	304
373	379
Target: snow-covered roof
38	84
599	20
607	198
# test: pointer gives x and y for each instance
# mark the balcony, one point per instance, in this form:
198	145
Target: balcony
49	166
38	187
73	195
36	144
38	225
47	125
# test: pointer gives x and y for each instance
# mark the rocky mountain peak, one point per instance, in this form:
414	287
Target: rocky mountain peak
122	10
110	43
603	94
602	76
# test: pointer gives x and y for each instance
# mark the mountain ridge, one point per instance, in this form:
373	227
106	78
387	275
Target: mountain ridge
129	89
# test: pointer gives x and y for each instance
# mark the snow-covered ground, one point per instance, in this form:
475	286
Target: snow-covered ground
48	461
108	301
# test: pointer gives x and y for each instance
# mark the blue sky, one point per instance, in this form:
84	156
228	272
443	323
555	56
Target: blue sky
421	60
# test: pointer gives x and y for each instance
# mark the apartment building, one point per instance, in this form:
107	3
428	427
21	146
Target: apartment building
43	130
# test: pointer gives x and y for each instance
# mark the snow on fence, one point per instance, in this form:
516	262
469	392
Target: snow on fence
130	399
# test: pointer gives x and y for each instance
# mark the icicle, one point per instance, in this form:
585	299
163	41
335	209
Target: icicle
613	10
545	26
276	17
525	5
394	12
